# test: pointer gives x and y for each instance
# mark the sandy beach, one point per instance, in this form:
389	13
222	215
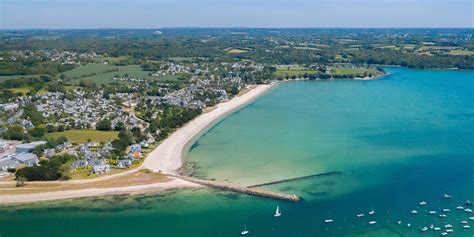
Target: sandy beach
56	195
167	157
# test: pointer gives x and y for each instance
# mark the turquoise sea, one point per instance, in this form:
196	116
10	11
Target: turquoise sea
399	140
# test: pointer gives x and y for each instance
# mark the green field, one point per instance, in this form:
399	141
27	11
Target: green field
24	90
461	52
236	51
82	136
293	71
353	71
4	78
102	73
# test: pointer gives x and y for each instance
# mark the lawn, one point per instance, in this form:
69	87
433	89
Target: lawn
353	71
461	52
82	136
102	73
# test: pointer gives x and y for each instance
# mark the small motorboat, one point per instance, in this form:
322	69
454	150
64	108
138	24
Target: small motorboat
464	222
431	226
399	222
460	207
448	226
468	210
277	212
466	227
442	215
446	196
360	215
450	230
414	212
422	203
408	225
436	228
446	210
444	234
245	231
471	218
424	229
468	203
432	212
372	222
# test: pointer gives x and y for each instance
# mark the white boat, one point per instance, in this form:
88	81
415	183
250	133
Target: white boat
414	212
371	212
431	226
464	222
466	227
277	212
471	218
446	210
432	212
329	220
424	229
444	234
468	210
360	215
442	215
460	207
408	225
422	203
372	222
468	203
436	228
399	222
245	231
448	226
446	196
449	230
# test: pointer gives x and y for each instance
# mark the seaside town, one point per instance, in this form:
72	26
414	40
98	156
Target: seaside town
116	116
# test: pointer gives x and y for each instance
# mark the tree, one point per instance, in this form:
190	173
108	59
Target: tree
20	181
104	125
37	132
120	126
126	138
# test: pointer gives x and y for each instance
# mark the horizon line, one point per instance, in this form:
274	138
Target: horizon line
243	27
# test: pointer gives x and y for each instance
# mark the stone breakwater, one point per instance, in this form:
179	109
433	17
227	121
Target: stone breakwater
240	189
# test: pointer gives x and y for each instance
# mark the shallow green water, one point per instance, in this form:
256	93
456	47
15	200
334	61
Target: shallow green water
399	140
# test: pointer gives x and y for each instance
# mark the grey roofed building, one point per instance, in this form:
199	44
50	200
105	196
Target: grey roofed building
29	159
101	169
28	147
124	163
79	164
6	164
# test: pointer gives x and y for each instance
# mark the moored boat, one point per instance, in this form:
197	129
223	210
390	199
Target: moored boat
245	231
277	212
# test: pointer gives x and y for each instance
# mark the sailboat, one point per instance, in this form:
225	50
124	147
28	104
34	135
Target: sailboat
371	212
245	231
329	220
277	212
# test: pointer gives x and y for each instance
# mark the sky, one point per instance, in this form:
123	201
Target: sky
82	14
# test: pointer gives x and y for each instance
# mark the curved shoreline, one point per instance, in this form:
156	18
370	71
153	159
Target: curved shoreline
167	157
